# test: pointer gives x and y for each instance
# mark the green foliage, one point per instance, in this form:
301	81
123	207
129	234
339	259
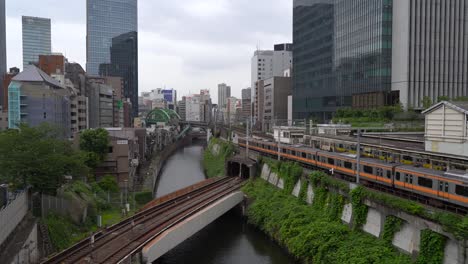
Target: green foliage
63	233
443	98
95	143
426	102
392	225
431	248
303	192
214	164
143	198
320	178
309	233
335	205
290	172
109	184
39	157
359	208
382	114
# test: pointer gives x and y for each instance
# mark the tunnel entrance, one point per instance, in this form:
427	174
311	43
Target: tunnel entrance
240	167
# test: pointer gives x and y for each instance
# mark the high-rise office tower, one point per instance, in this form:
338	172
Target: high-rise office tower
107	19
3	66
36	39
355	53
224	92
112	43
124	64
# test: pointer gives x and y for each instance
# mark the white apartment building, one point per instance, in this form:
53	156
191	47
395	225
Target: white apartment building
192	108
270	63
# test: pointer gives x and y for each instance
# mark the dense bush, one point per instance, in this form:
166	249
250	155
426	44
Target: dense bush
213	163
309	233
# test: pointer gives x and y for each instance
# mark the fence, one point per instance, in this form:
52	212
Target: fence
12	214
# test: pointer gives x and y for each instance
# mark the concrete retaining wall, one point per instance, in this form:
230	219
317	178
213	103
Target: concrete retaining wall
407	239
180	232
12	215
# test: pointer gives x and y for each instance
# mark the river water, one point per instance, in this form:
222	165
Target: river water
228	240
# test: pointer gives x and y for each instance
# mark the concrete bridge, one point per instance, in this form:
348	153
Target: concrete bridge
160	226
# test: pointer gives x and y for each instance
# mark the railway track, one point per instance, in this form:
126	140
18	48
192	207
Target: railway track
121	241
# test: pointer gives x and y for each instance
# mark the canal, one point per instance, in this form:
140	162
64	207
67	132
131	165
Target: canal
227	240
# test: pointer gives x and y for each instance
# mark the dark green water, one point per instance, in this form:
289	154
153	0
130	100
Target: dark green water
228	240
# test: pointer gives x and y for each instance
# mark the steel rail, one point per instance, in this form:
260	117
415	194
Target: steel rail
102	234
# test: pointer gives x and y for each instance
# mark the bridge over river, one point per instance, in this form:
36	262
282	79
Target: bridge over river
159	227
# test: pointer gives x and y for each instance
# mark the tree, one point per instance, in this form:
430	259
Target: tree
426	102
38	157
109	184
95	142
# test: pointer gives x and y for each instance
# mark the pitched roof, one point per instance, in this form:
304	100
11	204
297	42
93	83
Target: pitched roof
458	106
33	74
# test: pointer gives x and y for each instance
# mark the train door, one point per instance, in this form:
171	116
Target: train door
443	189
409	179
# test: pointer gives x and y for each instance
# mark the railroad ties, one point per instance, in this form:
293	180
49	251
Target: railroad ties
124	240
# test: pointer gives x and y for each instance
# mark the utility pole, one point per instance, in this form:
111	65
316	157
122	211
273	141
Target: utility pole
247	138
358	152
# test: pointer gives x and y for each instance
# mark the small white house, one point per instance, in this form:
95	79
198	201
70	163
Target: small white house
289	135
446	128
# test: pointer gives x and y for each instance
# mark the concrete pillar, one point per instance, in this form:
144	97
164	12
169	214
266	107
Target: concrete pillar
265	172
273	178
297	188
374	223
310	194
280	184
408	239
347	215
452	253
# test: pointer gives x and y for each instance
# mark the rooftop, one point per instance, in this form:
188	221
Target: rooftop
33	74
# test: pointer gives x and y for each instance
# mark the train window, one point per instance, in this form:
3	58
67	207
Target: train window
293	153
389	174
425	182
379	172
443	186
348	165
338	163
397	176
304	155
331	161
368	169
461	190
309	156
283	150
409	178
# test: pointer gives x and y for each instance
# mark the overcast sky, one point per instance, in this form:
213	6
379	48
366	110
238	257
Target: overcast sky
187	45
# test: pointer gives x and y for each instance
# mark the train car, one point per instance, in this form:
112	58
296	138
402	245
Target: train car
449	187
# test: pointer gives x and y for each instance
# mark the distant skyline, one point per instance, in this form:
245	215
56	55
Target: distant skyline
187	45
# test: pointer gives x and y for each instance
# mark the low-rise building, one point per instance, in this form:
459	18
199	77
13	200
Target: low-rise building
275	101
101	103
289	135
34	98
446	128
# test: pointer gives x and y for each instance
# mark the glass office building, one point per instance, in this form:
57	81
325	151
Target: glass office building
124	64
107	19
36	39
363	48
3	66
314	89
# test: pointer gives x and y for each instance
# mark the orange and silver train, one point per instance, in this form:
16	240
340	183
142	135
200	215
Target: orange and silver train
446	187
